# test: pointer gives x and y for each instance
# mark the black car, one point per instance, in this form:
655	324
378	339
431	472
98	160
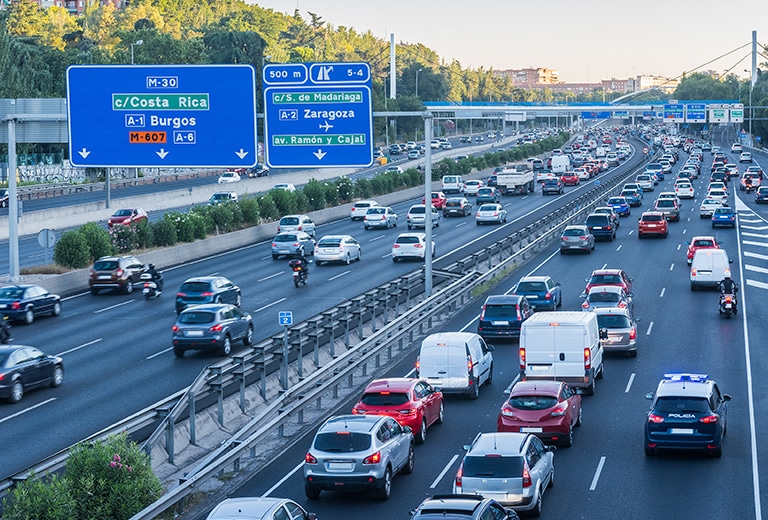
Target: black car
460	507
260	170
457	206
207	289
502	315
26	302
601	226
394	149
23	368
552	186
211	327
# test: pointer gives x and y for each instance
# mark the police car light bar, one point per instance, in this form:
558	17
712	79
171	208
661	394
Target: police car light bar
696	378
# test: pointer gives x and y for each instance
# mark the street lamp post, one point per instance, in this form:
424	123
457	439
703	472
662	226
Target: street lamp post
751	84
417	81
137	42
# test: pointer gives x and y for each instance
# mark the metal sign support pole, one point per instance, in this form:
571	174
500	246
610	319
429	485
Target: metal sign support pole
428	204
284	364
13	206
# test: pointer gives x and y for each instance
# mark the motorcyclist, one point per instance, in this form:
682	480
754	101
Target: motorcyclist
302	265
729	286
748	183
156	275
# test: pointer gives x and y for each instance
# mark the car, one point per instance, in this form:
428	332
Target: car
541	291
212	326
292	244
601	226
27	302
577	238
684	190
416	217
457	206
607	296
719	195
410	401
4	198
285	186
394	149
378	217
393	169
479	139
608	210
434	144
23	368
753	169
502	315
512	468
260	170
445	145
570	179
207	289
724	216
487	194
708	206
552	186
259	508
222	197
493	213
582	173
471	187
761	195
550	410
688	412
543	176
669	195
700	242
652	223
612	158
634	196
732	170
465	139
736	148
411	245
719	175
337	248
669	208
296	223
115	272
356	453
462	507
620	205
610	277
127	217
619	329
228	177
414	154
645	181
359	208
438	200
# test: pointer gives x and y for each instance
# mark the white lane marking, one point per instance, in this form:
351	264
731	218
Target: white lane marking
753	243
755	228
619	248
262	258
377	238
759	285
663	290
671	267
755	255
756	269
749	220
631	231
27	410
629	383
79	347
159	353
269	305
268	277
113	306
462	224
286	477
755	235
684	231
388	254
508	389
678	247
599	470
604	266
339	275
442	473
650	328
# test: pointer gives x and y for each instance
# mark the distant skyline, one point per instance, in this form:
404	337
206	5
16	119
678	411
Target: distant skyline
583	41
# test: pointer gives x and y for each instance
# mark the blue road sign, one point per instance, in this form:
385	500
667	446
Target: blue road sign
162	116
603	114
674	113
318	115
696	113
285	318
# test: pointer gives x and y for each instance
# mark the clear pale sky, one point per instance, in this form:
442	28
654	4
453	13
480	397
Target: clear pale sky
583	41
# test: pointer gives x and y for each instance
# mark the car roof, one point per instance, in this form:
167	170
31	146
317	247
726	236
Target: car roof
535	278
503	299
353	423
656	213
392	384
422	235
551	388
606	288
207	307
242	508
612	310
203	278
502	443
606	271
442	505
679	385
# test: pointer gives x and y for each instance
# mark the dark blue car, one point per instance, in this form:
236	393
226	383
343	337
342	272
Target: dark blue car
634	197
207	289
620	205
27	302
724	216
542	292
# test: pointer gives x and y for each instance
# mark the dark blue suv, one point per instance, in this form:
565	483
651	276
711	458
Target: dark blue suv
601	226
502	315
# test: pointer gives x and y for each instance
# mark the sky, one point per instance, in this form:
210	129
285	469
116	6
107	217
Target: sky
583	41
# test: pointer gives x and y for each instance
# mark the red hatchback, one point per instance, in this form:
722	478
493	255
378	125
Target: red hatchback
609	277
569	178
547	409
412	402
438	199
127	216
702	242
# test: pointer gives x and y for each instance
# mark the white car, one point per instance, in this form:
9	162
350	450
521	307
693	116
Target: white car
717	186
411	245
708	207
720	195
287	186
544	176
669	195
337	248
296	223
434	144
645	181
491	213
360	207
471	187
736	148
229	177
685	190
745	157
393	169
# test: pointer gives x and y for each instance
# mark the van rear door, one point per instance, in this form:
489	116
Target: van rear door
569	349
539	343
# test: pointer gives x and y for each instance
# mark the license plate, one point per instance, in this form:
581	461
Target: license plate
530	430
328	251
104	277
341	466
728	305
681	431
539	368
285	251
193	332
500	322
597	227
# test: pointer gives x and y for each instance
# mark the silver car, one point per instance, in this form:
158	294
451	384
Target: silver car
357	453
259	508
380	217
607	296
297	223
292	244
621	329
577	238
416	217
337	248
491	213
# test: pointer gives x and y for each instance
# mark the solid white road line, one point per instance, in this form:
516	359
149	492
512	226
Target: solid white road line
599	470
156	354
508	389
753	243
79	347
113	306
442	473
339	275
268	277
755	235
27	409
629	383
269	305
650	328
286	477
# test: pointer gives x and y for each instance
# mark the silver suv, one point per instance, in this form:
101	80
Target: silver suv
514	469
357	452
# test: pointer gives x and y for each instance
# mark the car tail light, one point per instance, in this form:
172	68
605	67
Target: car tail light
478	214
693	272
560	410
587	358
217	328
408	411
296	244
274	244
521	354
372	459
548	296
469	366
482	313
508	411
175	328
310	459
583	237
300	228
206	294
396	246
585	305
418	364
622	305
633	333
119	273
358	411
527	482
418	246
16	306
181	295
655	418
708	419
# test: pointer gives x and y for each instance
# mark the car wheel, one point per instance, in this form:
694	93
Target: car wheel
422	435
312	493
29	316
58	377
578	419
226	348
275	257
536	511
440	415
475	390
128	289
590	390
410	227
178	352
94	291
386	487
551	482
17	391
300	252
347	260
238	300
562	251
633	353
56	309
649	452
410	464
568	441
600	372
359	254
394	259
248	339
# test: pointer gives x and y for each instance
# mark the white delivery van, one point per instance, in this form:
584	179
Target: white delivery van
453	184
456	362
563	346
560	164
709	267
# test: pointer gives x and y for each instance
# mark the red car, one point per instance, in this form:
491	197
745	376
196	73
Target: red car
609	277
652	223
702	242
569	178
412	402
547	409
127	217
438	199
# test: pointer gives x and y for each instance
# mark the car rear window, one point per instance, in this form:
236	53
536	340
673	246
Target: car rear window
453	203
613	321
362	205
407	240
375	211
329	242
195	287
532	402
484	191
384	398
289	221
604	297
574	232
417	210
285	238
196	317
652	218
531	287
13	293
493	467
501	311
682	404
616	200
105	265
342	442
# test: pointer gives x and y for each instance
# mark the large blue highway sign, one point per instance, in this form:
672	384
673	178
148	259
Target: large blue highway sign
696	113
602	114
162	116
318	115
674	113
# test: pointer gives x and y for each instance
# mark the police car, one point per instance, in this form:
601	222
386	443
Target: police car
688	413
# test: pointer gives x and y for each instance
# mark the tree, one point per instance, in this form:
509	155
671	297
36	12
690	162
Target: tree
704	86
26	19
235	47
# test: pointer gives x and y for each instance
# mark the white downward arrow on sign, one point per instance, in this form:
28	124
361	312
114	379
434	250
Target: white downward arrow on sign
84	153
162	153
242	153
319	154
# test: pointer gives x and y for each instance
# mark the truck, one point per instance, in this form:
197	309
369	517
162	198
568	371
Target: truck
516	178
560	164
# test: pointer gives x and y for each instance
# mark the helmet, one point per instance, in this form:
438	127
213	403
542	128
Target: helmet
151	266
727	277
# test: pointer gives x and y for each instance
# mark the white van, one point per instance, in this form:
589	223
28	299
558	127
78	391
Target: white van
563	346
456	362
560	164
453	184
709	267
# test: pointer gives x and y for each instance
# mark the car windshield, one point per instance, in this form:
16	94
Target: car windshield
385	398
195	287
196	317
285	238
613	321
682	405
604	297
652	218
665	203
493	467
122	213
342	442
12	293
532	402
105	265
329	242
500	311
289	221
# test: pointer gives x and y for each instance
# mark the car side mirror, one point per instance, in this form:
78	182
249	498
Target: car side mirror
726	397
550	449
638	319
407	429
649	395
491	348
730	260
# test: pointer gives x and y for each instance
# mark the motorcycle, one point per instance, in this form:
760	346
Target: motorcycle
727	305
150	289
299	272
5	330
